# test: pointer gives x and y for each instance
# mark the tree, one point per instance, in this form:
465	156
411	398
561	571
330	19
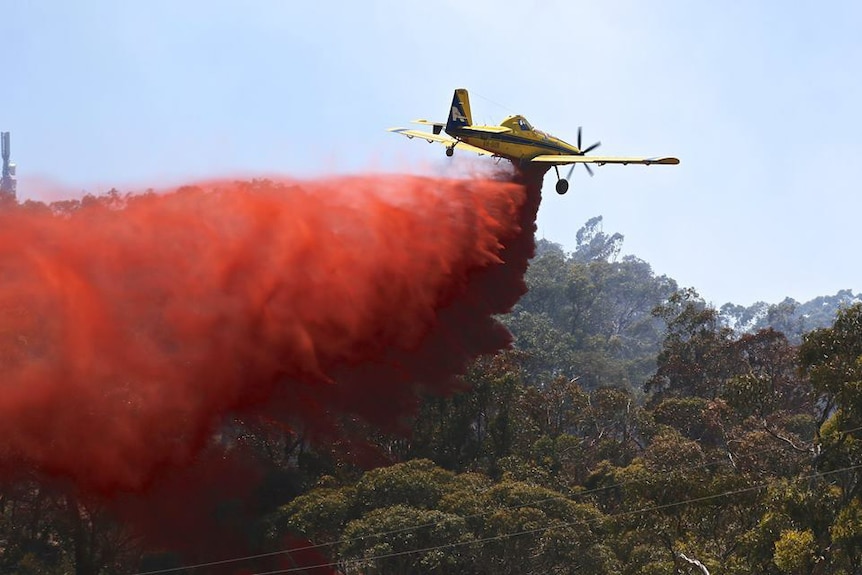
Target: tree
476	426
593	244
832	357
588	314
794	551
403	539
417	518
696	357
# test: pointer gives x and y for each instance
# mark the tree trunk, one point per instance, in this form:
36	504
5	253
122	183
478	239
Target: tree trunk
84	564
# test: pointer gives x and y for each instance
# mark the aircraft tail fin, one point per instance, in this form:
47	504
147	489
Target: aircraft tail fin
459	113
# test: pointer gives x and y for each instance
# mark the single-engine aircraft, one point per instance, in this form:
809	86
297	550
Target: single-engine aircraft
516	140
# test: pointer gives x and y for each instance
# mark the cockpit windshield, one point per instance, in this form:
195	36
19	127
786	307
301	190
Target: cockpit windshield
524	125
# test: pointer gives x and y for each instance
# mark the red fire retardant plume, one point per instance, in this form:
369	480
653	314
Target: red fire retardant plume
127	333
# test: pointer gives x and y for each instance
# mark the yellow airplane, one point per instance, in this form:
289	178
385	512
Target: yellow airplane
516	140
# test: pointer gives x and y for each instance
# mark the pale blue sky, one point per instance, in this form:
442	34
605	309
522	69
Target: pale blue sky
759	100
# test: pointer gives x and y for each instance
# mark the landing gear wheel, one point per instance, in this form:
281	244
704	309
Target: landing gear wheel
562	186
450	151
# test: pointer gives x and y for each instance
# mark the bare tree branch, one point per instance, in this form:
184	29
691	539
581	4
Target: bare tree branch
694	562
804	449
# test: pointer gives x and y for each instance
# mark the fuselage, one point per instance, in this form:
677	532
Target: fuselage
519	141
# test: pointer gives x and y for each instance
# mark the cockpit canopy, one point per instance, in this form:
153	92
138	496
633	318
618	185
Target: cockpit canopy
518	123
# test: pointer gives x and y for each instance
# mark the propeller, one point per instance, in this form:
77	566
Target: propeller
584	151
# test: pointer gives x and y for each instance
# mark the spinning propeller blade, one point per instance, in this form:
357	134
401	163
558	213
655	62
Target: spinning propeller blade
584	151
591	148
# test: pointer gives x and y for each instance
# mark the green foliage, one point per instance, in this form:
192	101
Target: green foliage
386	540
593	244
458	431
846	534
696	356
322	512
794	551
588	314
832	358
387	525
669	451
684	414
417	483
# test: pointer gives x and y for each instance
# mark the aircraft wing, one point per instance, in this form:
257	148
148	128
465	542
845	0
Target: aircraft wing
601	160
445	140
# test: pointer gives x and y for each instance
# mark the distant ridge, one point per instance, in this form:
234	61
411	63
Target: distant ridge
790	317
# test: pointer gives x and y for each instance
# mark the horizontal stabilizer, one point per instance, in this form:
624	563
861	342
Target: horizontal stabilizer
428	123
437	127
445	140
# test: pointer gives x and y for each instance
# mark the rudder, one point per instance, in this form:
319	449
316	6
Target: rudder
459	113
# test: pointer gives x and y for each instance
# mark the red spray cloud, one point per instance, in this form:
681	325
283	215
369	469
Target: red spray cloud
127	333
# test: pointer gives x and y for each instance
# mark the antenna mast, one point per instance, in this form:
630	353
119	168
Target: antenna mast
8	184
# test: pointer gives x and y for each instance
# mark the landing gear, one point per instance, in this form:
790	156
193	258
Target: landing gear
562	186
450	151
562	183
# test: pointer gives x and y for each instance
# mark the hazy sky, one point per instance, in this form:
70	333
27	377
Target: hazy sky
759	100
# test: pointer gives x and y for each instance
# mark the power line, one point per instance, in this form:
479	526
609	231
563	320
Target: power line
503	106
473	516
414	527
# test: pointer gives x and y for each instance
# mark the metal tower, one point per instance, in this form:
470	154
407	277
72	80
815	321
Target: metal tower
8	184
